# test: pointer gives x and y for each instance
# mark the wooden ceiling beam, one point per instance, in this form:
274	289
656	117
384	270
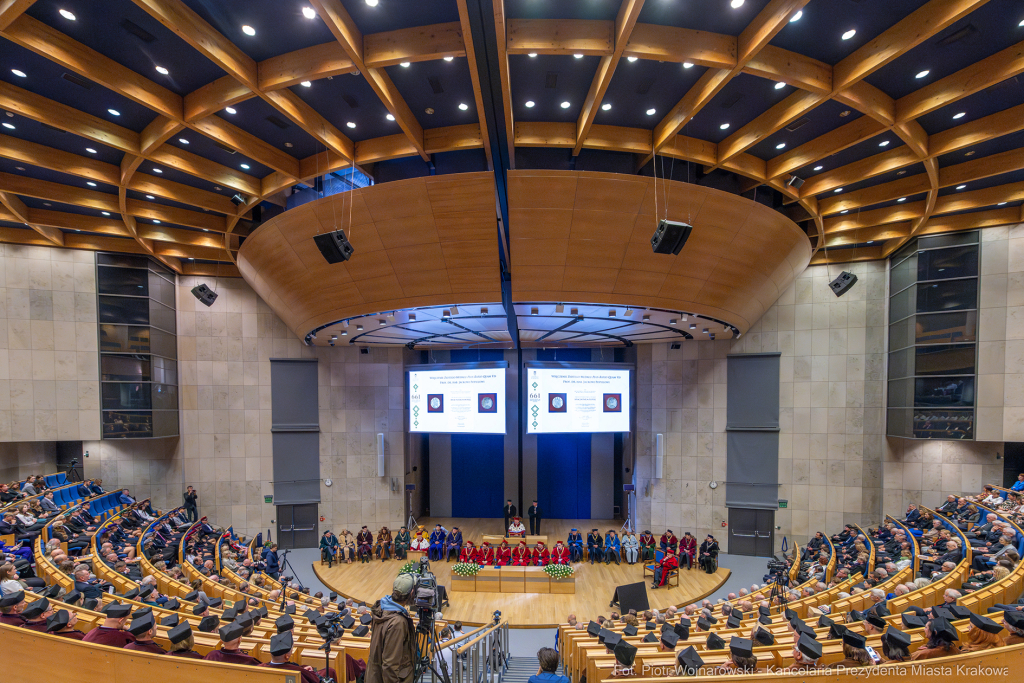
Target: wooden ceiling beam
980	130
672	44
870	167
545	134
870	234
691	149
629	11
977	199
876	194
301	114
174	250
560	36
702	92
214	96
1005	162
11	10
504	77
18	208
765	26
308	64
184	194
866	219
210	269
414	44
189	238
56	192
474	76
52	159
23	236
175	215
76	221
969	221
770	122
216	128
195	165
103	243
345	31
833	142
869	253
619	139
791	68
868	100
968	81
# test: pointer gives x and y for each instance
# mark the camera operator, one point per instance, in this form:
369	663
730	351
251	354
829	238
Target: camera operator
392	651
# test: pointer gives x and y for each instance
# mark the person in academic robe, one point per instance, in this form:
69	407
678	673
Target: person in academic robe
669	542
383	547
453	544
11	606
329	548
941	640
541	555
612	546
630	547
281	646
575	545
364	544
647	546
485	556
402	543
595	546
510	512
516	528
36	613
182	642
664	568
144	630
560	554
469	553
1013	622
231	638
420	543
687	550
503	554
436	543
62	623
111	631
521	555
709	554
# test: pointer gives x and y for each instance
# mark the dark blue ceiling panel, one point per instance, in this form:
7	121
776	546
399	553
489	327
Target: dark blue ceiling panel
257	117
157	199
45	78
391	15
349	98
705	15
34	203
419	84
1004	95
993	181
819	32
124	32
531	77
982	33
912	170
823	119
171	173
279	24
33	131
895	202
741	101
605	10
1003	205
38	173
983	149
642	85
868	148
205	147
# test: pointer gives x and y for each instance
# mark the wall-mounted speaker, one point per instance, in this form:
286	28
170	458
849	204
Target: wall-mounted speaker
334	246
380	455
659	455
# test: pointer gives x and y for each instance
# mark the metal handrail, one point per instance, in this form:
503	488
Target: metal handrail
484	659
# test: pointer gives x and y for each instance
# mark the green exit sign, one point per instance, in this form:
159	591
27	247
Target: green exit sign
783	504
268	499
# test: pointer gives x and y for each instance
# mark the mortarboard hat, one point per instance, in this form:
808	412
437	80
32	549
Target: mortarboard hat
824	621
1014	618
281	644
51	592
209	624
284	623
790	614
713	620
310	614
912	620
670	638
199	608
682	630
914	609
58	620
361	630
667	627
854	639
959	611
145	591
733	621
170	622
192	596
630	630
264	612
289	609
809	647
764	636
650	625
91	604
228	615
625	653
245	620
117	610
764	620
703	624
240	605
741	647
603	635
179	632
836	631
875	620
612	639
141	612
215	602
715	642
333	596
172	604
141	625
71	597
650	638
12	599
366	619
690	660
896	637
593	628
348	622
684	621
132	594
941	612
764	611
232	631
942	629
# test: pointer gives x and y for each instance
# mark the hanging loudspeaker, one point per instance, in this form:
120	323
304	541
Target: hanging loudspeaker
659	455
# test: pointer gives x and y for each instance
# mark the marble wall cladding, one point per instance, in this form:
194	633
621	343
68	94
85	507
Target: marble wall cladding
226	450
831	411
49	370
925	472
19	460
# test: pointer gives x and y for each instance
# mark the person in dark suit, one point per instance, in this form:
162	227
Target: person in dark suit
191	504
510	512
535	516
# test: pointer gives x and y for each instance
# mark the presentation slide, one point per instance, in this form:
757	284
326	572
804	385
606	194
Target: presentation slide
457	401
577	400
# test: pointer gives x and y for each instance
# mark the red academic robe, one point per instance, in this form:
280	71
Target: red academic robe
689	546
560	555
231	657
39	626
73	635
12	619
147	646
668	563
541	556
109	636
485	555
671	541
468	554
503	556
522	557
306	675
190	654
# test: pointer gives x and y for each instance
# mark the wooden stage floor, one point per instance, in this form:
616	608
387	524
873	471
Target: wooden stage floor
595	584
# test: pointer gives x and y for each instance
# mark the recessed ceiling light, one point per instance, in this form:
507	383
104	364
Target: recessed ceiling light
736	4
959	115
157	221
606	106
390	117
9	125
19	73
157	170
248	30
230	110
724	126
969	154
114	112
529	104
883	143
162	70
183	141
245	166
67	15
651	111
693	326
105	213
534	54
850	34
796	17
628	59
565	105
309	12
149	196
351	124
19	168
206	230
870	241
463	106
90	150
961	187
780	85
818	168
1000	203
306	84
91	184
449	58
371	3
405	64
781	145
922	74
578	56
902	199
845	211
687	65
838	190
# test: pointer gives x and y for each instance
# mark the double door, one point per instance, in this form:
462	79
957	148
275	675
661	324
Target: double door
751	532
297	526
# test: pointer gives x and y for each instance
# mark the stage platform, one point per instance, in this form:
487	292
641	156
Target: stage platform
595	584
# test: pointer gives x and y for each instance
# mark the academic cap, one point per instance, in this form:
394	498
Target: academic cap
650	638
593	628
51	592
145	591
191	596
764	636
172	604
289	609
650	625
682	630
281	644
12	599
959	611
263	611
602	636
1014	618
742	647
228	615
310	614
625	653
912	620
836	631
690	660
941	628
896	637
361	630
231	631
713	620
117	610
71	597
733	621
715	642
209	624
240	605
170	622
132	594
941	612
854	639
809	647
985	624
703	624
875	620
245	620
199	608
914	609
179	633
333	596
284	623
348	622
764	611
630	630
764	620
141	625
824	621
685	622
366	619
91	604
670	639
790	614
667	627
58	620
612	639
141	612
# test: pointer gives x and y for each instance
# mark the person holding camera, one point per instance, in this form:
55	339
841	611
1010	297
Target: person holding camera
191	504
392	652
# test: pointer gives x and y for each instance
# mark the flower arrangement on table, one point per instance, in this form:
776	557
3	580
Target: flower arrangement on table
410	567
465	569
559	571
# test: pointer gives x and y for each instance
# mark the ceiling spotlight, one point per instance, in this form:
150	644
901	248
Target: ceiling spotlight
90	183
67	15
483	310
230	110
449	58
818	168
359	328
693	326
371	3
712	336
309	12
156	221
796	17
114	112
405	65
781	145
19	73
736	4
9	125
149	196
529	104
578	56
687	65
780	85
183	141
390	117
534	54
673	321
845	211
724	126
105	213
849	34
463	106
705	330
922	74
248	30
961	187
646	317
574	311
870	241
606	106
533	311
90	150
1001	204
902	199
162	70
838	190
381	323
157	170
651	111
565	105
611	313
959	115
351	124
244	167
306	84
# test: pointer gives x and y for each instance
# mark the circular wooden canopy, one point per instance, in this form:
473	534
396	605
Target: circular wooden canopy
427	244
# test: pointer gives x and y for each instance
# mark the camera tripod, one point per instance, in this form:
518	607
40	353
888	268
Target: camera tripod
286	567
779	592
428	651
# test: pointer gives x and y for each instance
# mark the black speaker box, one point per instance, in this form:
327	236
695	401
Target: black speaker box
334	246
843	283
670	237
205	295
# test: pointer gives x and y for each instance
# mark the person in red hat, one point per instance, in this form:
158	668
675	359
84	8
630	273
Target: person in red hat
486	554
503	555
559	554
541	555
516	529
469	553
521	556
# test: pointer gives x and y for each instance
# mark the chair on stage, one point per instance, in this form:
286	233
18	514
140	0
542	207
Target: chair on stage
673	574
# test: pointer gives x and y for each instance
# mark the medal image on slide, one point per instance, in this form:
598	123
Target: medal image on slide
487	403
435	403
556	403
613	403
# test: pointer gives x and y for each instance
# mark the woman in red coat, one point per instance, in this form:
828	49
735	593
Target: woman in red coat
521	556
687	550
559	554
541	556
469	553
503	555
486	554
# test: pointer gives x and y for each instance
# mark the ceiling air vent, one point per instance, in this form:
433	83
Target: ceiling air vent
137	31
435	85
551	79
798	124
224	147
968	32
78	80
644	85
732	101
351	101
283	125
48	126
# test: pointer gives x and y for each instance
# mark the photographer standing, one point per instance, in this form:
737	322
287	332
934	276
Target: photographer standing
392	653
191	504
